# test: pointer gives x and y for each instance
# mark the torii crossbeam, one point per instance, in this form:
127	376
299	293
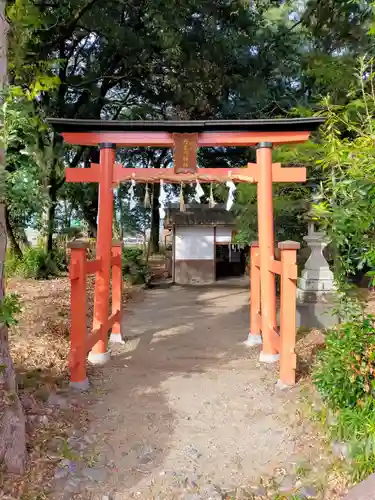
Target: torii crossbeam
185	137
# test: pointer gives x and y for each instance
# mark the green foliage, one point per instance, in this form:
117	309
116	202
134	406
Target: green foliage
134	266
28	155
344	201
355	427
344	376
23	188
10	307
345	371
289	208
36	263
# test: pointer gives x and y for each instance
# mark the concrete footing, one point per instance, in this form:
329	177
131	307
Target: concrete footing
115	338
268	358
83	385
281	386
253	340
99	358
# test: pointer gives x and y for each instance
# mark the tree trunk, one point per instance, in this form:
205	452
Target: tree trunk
12	239
22	238
155	221
51	220
12	418
50	229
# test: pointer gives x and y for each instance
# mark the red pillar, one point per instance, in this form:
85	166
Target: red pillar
115	336
254	337
78	326
266	251
99	353
288	304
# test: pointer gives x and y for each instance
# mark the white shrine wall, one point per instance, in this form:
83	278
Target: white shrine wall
195	252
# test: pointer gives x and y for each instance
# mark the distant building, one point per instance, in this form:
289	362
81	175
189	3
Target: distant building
33	236
202	249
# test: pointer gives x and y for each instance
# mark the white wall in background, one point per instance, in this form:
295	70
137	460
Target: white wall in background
194	243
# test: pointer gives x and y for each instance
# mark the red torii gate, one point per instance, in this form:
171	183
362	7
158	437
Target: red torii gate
185	137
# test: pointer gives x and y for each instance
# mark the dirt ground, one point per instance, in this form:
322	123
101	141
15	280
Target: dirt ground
185	398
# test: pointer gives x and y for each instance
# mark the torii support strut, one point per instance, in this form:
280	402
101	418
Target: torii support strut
264	134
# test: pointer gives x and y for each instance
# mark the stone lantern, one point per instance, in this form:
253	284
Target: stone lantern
317	281
316	291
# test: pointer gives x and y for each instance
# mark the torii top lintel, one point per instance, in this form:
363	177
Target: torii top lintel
159	133
185	137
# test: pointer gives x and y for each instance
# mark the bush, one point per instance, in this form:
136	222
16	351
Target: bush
344	375
134	267
36	263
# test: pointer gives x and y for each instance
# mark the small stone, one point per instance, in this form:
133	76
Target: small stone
308	492
95	474
287	484
43	419
57	401
145	460
142	450
193	453
340	450
60	473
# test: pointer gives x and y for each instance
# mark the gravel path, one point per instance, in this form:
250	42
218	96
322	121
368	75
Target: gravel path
184	403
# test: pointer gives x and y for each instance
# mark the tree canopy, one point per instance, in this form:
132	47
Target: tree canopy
148	59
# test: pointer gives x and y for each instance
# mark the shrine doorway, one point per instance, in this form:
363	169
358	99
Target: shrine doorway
231	261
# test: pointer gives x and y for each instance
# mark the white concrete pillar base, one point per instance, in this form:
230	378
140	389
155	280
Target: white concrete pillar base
282	386
83	385
268	358
253	340
99	358
115	338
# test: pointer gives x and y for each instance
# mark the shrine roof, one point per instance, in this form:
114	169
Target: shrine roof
266	125
199	215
